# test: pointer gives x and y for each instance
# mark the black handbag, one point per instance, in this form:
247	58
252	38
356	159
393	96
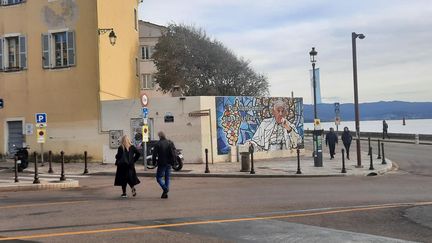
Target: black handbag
123	160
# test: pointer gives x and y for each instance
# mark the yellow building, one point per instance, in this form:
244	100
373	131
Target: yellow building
57	57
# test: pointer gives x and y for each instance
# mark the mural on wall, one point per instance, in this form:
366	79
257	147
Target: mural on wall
269	123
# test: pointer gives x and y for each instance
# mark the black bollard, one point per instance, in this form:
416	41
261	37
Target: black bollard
16	168
343	162
371	159
62	175
207	170
298	161
36	176
85	163
369	143
251	151
383	155
50	170
379	149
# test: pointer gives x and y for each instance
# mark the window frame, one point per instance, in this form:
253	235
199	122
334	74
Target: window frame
145	81
67	49
148	54
20	52
6	2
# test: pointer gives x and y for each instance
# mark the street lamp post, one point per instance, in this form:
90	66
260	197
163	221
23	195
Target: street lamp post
316	132
356	105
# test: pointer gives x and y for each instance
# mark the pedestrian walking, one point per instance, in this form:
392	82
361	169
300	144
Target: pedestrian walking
126	157
346	139
385	129
331	141
164	155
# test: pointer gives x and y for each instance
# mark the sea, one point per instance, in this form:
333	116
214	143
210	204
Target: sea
414	126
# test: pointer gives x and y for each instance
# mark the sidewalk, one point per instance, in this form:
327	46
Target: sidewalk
279	167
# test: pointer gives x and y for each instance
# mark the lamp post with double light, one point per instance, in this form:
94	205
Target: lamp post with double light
316	132
356	105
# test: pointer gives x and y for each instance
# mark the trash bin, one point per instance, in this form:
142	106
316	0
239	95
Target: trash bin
245	162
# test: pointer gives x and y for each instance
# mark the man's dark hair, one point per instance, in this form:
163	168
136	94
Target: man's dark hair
161	135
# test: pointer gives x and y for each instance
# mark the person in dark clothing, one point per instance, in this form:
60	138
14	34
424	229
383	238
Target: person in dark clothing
126	157
331	141
385	129
346	139
164	155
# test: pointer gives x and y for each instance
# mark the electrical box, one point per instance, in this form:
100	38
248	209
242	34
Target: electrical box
114	138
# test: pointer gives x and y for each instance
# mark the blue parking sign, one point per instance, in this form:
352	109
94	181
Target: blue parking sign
41	117
145	112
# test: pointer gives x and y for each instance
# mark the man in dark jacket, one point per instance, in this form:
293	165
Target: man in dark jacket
331	141
346	139
385	129
163	154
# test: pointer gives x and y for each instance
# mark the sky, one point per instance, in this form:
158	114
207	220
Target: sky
276	36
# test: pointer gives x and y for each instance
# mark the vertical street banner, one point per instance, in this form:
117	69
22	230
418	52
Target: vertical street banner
318	86
269	123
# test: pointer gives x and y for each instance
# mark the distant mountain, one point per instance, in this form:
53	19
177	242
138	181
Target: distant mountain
383	110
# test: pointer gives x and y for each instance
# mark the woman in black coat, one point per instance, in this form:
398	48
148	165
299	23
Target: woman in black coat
346	139
126	157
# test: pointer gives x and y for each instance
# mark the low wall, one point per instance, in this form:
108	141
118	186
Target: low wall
405	136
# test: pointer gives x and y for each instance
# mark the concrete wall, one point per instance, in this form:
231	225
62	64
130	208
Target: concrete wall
185	131
190	133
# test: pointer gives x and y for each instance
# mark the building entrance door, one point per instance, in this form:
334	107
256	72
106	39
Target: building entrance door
15	136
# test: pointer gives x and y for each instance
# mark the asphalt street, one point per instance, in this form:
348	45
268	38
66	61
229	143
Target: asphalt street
395	207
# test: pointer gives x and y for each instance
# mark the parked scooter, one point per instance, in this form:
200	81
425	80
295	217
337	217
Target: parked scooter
22	158
177	166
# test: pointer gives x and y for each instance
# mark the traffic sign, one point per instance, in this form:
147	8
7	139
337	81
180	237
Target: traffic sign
144	99
145	133
317	124
41	117
41	135
337	108
337	121
145	112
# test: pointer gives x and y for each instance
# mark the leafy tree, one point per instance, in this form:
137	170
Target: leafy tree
187	57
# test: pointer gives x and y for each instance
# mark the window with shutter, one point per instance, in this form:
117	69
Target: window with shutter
1	54
11	54
46	57
71	48
23	52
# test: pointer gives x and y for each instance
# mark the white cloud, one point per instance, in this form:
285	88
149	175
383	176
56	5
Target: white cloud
276	37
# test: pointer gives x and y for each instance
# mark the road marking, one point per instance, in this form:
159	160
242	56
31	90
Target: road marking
42	204
158	226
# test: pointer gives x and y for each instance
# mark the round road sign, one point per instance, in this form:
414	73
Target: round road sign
144	100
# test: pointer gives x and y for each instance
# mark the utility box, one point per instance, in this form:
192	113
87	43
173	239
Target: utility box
245	162
114	138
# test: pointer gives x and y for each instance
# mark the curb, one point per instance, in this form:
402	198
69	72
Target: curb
43	186
219	175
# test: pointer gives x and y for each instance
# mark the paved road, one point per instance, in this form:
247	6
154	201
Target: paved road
389	208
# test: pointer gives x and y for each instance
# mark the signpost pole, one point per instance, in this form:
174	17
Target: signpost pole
145	130
42	155
145	155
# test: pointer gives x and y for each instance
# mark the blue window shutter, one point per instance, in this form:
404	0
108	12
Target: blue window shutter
1	54
23	52
46	54
71	48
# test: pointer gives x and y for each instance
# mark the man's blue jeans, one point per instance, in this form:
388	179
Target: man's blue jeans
163	171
